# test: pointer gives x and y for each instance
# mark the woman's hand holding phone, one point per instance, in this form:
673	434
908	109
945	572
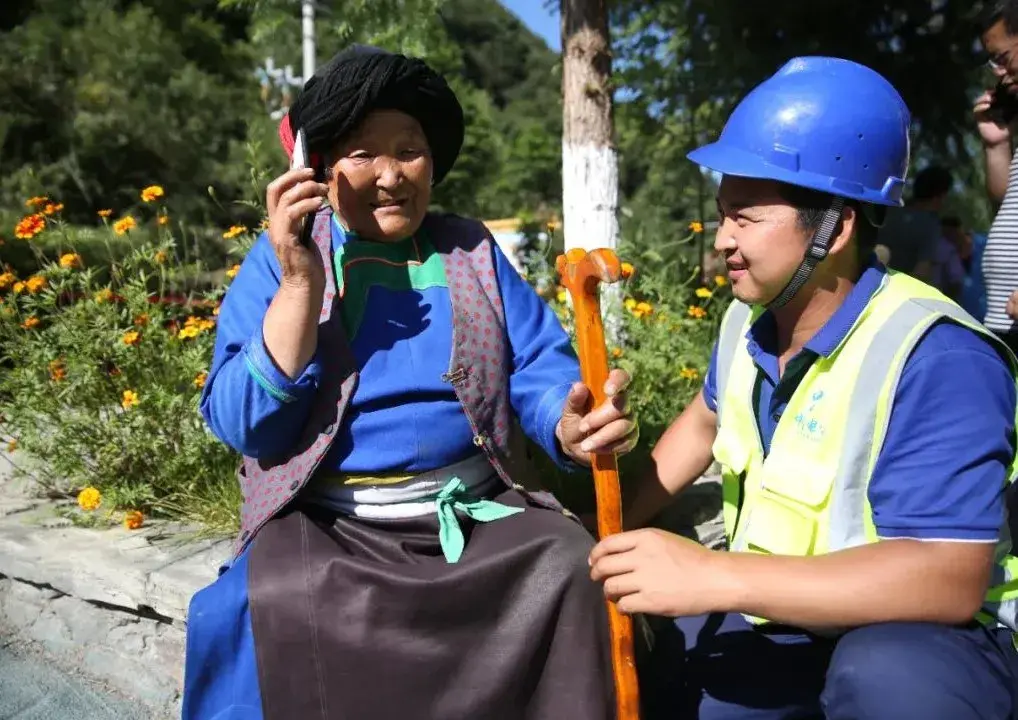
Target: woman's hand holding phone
292	197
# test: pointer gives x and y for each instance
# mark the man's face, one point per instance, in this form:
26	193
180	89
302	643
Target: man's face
1002	47
759	237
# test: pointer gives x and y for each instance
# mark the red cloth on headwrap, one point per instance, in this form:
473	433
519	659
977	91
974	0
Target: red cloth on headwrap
288	140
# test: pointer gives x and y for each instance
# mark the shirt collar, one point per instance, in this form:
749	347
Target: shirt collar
763	334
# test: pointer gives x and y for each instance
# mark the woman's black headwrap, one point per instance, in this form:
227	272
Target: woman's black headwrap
361	79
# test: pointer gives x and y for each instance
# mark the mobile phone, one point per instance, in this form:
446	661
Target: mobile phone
1004	104
301	159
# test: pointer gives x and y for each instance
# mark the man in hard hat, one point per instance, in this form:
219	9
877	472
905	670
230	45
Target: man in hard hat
865	428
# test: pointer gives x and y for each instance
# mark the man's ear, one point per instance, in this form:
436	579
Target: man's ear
844	230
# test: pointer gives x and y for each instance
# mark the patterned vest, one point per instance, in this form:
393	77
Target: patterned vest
478	372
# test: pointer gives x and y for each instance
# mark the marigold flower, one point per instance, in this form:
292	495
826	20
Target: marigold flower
134	520
89	499
689	373
199	380
703	292
70	260
35	283
234	231
131	337
57	371
617	352
561	295
159	257
697	312
12	446
124	225
188	332
7	279
30	322
720	280
696	226
152	192
163	220
105	213
36	201
129	399
232	272
104	295
53	208
141	319
30	226
18	288
627	270
629	303
641	309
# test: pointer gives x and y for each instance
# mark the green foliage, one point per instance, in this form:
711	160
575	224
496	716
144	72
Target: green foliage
102	374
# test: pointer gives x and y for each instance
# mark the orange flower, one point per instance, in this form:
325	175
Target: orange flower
7	279
141	320
53	208
104	295
134	520
696	226
131	337
124	225
232	272
152	192
234	231
689	373
57	371
70	260
159	257
720	280
199	380
697	312
163	220
30	226
35	283
18	287
617	352
627	270
89	499
129	399
36	201
30	322
105	213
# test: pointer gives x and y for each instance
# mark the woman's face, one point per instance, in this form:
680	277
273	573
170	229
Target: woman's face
381	177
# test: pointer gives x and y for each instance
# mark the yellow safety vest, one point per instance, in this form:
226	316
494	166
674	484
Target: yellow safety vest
808	496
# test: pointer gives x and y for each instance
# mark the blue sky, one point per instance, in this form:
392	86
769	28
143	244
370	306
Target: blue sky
538	18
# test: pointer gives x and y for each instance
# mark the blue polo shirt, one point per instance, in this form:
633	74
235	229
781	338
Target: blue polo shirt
941	472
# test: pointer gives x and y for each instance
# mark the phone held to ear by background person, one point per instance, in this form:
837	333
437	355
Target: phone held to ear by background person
302	159
1004	105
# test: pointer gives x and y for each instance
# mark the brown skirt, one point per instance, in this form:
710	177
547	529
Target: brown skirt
364	620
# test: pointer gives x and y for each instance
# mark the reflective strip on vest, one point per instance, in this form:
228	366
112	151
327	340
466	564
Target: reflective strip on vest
845	518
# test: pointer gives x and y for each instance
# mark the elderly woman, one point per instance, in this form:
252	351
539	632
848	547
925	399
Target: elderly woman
396	560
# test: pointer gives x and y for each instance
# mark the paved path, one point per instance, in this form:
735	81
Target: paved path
31	689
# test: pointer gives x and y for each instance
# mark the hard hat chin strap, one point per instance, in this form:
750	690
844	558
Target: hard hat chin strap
815	253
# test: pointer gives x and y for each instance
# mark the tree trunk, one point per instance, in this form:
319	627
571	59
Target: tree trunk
590	168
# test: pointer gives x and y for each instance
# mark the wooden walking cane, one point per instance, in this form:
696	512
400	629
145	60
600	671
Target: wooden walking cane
581	273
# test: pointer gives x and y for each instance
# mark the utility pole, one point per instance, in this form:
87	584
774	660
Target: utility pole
308	37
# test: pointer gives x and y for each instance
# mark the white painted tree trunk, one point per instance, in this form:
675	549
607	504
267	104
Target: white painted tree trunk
590	168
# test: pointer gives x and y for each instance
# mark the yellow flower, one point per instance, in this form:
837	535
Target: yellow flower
35	283
561	295
159	257
163	220
720	280
124	225
129	399
134	520
7	279
29	226
234	231
627	270
30	322
152	192
105	213
696	226
141	320
36	201
70	260
89	499
188	332
18	287
12	446
131	337
199	380
689	373
57	371
697	312
53	208
104	295
617	352
232	272
703	292
629	303
642	309
264	225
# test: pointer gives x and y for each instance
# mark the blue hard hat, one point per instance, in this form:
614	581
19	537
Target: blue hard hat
822	123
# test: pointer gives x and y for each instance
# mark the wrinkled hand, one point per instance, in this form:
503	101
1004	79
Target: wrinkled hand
289	198
1012	305
990	129
605	429
658	573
